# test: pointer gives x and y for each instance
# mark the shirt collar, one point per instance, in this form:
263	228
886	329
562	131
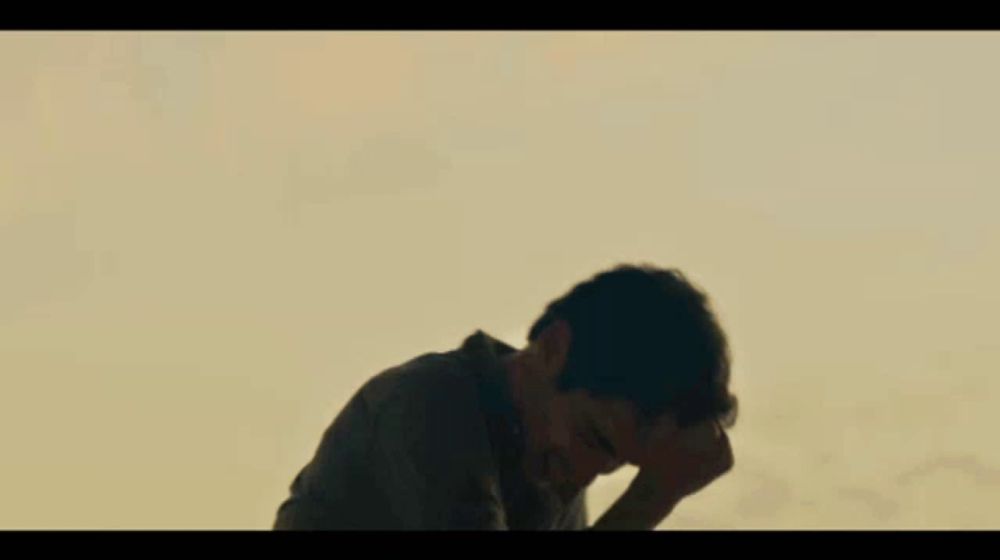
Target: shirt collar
484	354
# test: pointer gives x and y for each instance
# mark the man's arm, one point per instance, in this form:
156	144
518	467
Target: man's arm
638	509
431	495
675	464
410	451
433	463
324	494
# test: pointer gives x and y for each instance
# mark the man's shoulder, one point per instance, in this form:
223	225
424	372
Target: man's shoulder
430	403
419	383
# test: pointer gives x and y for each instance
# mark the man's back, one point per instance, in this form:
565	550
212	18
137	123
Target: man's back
430	444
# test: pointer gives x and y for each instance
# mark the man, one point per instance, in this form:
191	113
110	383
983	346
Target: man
629	366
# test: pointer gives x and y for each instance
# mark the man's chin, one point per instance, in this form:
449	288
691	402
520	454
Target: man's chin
540	476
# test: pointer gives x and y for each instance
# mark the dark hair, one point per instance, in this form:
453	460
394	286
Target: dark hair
647	335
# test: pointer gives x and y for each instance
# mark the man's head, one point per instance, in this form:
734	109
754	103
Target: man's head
617	352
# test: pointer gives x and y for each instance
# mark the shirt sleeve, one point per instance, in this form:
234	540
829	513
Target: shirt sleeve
407	453
422	499
322	495
576	519
431	461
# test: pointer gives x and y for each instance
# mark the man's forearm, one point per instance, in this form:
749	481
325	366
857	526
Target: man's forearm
642	507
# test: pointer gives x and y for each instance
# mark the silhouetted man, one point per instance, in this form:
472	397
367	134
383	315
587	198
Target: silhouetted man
630	366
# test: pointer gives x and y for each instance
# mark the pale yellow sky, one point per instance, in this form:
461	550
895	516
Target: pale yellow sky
209	240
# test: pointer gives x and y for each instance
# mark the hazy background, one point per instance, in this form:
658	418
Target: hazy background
208	241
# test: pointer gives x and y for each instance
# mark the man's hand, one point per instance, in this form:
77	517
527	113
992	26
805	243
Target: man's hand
673	464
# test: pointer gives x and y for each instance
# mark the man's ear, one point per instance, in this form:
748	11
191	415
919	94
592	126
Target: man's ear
554	345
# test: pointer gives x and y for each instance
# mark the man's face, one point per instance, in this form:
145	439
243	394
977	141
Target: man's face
571	436
574	437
